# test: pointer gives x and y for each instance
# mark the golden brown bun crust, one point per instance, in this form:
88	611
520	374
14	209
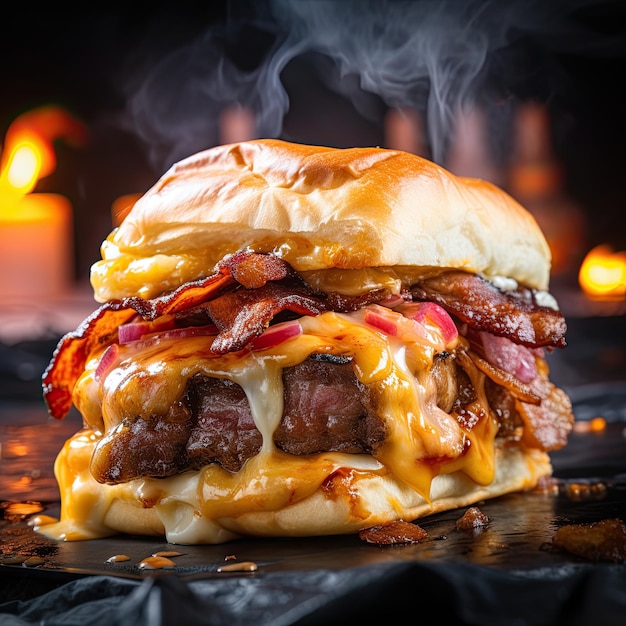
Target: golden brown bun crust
318	208
380	500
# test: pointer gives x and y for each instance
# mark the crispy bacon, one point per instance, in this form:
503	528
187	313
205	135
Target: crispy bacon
477	302
243	314
345	304
548	424
100	328
545	410
504	379
394	533
244	295
184	297
249	269
72	353
254	270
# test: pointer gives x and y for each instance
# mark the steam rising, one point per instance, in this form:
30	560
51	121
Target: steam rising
435	56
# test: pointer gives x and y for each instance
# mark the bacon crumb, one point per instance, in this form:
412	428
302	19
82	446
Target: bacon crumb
472	519
597	541
392	534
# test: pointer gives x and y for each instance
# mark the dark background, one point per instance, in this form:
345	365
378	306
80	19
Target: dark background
148	82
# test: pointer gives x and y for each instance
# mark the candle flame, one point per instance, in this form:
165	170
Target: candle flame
28	153
602	273
24	166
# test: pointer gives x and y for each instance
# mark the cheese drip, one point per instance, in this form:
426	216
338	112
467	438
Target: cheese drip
202	507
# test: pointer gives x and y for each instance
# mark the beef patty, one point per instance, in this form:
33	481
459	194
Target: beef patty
326	409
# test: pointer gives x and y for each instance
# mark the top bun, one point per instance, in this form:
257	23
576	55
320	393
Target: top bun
317	208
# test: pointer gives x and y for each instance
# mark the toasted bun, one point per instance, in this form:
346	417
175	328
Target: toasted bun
318	208
374	499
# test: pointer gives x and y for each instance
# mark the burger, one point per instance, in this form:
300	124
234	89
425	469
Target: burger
297	340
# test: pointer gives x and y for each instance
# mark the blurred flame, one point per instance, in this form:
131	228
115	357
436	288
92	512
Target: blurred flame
24	166
602	273
28	152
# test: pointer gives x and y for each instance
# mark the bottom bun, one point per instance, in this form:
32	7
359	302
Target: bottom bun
344	505
275	496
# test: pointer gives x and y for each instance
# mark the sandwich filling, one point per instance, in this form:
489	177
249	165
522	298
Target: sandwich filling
257	387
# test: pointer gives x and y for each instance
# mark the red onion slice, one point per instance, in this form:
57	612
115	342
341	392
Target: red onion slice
276	334
107	362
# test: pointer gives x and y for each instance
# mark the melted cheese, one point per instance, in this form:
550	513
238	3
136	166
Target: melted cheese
423	441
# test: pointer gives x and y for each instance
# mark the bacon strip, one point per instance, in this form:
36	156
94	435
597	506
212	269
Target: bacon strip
478	303
72	353
249	269
499	376
100	328
254	270
545	410
243	314
548	424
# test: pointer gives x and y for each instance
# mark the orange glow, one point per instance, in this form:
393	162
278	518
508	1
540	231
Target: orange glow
602	273
28	153
23	167
35	228
15	448
597	424
122	206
